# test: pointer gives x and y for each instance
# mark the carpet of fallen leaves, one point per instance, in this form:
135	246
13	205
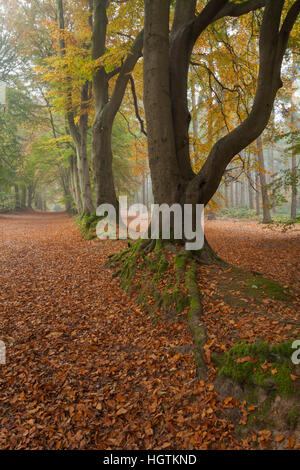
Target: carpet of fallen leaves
86	368
253	246
229	316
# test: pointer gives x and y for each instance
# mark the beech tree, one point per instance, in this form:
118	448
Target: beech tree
79	132
167	55
107	104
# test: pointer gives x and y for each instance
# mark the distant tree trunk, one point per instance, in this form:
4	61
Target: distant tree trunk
30	196
250	192
78	132
294	182
231	194
264	194
237	202
79	135
75	184
23	196
257	193
226	195
242	194
17	197
272	171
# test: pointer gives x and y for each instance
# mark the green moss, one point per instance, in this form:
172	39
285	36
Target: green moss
249	364
88	224
258	286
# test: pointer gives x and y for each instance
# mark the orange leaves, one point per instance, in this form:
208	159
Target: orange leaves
121	411
279	438
102	374
241	360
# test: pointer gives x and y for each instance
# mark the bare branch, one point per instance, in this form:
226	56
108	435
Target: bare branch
235	10
136	106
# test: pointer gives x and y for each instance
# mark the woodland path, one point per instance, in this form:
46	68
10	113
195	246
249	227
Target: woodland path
86	368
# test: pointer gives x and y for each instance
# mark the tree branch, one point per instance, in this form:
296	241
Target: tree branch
136	106
235	10
204	185
124	75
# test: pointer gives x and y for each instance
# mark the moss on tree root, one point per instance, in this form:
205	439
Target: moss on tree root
87	224
195	321
260	364
144	264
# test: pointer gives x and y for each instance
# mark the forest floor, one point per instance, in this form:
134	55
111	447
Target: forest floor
86	368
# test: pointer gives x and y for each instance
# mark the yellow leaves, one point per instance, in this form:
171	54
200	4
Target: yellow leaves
227	400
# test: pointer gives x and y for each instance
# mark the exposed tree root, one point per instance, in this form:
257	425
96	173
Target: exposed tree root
160	280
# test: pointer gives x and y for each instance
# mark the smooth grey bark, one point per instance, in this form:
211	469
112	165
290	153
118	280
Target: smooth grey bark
106	106
78	131
166	63
263	185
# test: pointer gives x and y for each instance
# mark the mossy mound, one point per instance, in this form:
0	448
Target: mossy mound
258	286
261	365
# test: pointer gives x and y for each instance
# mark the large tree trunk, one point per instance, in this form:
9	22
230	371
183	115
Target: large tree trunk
167	181
263	185
107	107
102	162
166	63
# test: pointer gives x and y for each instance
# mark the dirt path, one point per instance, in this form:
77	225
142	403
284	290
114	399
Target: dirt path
85	367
